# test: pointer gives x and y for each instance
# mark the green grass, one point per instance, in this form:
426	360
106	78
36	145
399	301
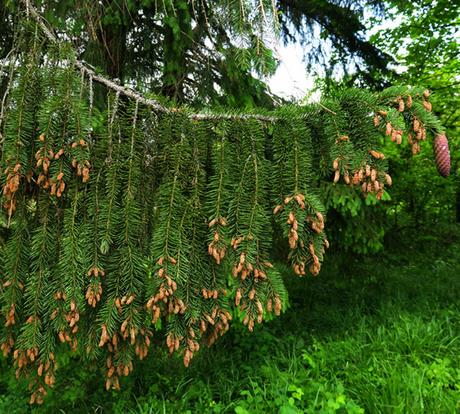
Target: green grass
374	335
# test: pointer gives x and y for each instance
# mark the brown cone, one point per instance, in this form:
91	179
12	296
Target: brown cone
442	154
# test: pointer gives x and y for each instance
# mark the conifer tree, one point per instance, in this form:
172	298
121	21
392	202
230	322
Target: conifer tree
137	220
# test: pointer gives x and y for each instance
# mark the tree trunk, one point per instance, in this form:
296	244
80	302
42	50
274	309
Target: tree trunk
177	28
112	39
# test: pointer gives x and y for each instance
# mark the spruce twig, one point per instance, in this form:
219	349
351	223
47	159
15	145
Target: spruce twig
12	58
326	109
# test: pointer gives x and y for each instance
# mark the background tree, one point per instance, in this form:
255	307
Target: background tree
423	45
199	51
426	44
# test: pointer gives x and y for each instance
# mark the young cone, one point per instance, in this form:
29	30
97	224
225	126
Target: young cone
442	154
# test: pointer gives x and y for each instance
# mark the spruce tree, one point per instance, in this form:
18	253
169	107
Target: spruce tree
135	220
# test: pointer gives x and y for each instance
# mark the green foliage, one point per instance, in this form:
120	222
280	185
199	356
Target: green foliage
424	44
379	335
214	52
125	224
430	55
332	33
346	208
186	50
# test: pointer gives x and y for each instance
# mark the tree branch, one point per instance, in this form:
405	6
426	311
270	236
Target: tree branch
152	103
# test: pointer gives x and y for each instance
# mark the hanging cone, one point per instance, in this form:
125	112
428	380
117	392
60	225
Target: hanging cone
442	154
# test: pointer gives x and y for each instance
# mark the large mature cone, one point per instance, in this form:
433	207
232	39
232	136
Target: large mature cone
442	154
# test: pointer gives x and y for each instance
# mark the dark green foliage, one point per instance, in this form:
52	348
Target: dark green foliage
209	51
127	224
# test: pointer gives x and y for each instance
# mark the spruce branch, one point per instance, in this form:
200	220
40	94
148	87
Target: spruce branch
148	202
136	96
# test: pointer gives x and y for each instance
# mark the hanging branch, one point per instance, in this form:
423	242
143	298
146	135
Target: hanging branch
89	201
